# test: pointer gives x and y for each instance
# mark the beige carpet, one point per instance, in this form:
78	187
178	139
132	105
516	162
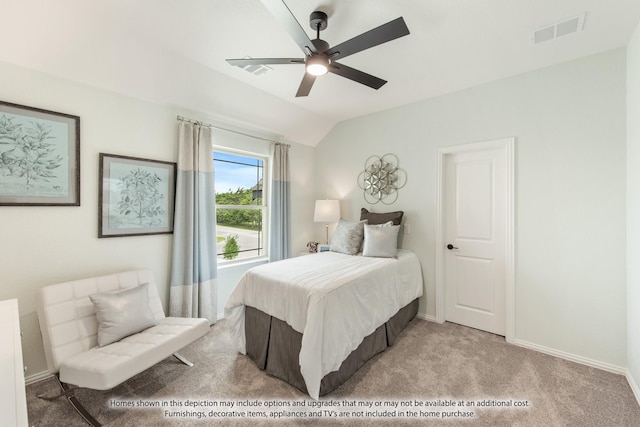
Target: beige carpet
429	364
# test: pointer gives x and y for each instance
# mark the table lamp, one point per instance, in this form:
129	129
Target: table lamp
327	211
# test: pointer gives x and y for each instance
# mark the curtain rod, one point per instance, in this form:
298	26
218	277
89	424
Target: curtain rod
198	122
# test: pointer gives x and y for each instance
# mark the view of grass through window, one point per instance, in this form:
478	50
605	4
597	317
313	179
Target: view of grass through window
239	207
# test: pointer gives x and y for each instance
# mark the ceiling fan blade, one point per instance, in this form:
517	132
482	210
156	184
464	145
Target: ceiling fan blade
305	85
282	13
379	35
259	61
356	75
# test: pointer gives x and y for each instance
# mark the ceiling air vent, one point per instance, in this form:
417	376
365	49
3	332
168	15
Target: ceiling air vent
558	29
256	69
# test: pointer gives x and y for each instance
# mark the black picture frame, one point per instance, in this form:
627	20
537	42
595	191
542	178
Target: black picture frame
136	196
39	157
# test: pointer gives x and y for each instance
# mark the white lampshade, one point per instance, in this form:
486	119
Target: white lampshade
327	211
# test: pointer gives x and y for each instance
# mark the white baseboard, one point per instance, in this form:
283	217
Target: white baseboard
572	357
37	377
426	317
634	386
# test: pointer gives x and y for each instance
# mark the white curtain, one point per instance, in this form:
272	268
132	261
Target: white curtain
280	227
193	290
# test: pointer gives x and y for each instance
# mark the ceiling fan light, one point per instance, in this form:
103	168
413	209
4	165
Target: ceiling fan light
318	65
317	69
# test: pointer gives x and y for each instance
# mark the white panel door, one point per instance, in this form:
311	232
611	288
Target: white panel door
475	238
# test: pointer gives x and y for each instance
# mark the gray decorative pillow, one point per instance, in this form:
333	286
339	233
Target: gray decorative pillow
122	313
381	218
347	238
381	240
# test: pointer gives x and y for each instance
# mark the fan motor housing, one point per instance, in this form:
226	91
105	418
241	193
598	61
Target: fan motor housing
320	45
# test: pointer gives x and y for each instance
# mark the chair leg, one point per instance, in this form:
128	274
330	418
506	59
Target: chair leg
54	397
69	393
182	359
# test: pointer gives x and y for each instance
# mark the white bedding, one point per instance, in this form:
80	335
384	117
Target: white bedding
334	300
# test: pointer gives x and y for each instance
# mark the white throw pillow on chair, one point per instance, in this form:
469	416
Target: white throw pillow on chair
122	313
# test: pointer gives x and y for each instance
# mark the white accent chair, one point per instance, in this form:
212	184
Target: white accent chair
69	329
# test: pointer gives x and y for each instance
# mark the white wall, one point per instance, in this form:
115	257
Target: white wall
45	245
569	125
633	212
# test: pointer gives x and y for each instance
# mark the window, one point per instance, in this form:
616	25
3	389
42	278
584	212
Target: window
240	207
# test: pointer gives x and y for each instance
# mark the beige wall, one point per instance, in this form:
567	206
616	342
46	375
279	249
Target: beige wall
569	125
45	245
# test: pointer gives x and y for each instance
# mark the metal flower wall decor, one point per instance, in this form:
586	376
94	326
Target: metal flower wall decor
381	179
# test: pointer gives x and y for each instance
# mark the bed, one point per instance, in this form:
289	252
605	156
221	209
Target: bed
314	320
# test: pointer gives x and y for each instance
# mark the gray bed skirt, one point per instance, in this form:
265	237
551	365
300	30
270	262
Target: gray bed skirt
274	346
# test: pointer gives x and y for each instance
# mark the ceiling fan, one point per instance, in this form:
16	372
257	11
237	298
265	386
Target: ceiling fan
320	58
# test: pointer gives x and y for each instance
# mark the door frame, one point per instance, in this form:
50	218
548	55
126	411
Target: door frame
508	144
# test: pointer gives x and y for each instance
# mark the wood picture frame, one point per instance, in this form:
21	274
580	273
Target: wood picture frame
136	196
39	157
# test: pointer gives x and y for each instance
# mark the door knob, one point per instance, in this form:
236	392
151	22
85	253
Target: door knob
451	247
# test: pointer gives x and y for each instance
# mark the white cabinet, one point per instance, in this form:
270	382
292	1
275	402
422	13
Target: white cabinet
13	402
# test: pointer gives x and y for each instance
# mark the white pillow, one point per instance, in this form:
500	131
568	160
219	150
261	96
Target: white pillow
122	313
381	240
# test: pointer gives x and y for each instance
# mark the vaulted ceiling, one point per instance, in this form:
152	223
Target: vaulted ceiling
173	52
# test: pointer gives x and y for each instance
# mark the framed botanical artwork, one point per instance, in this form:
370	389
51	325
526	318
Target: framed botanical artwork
136	196
39	157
